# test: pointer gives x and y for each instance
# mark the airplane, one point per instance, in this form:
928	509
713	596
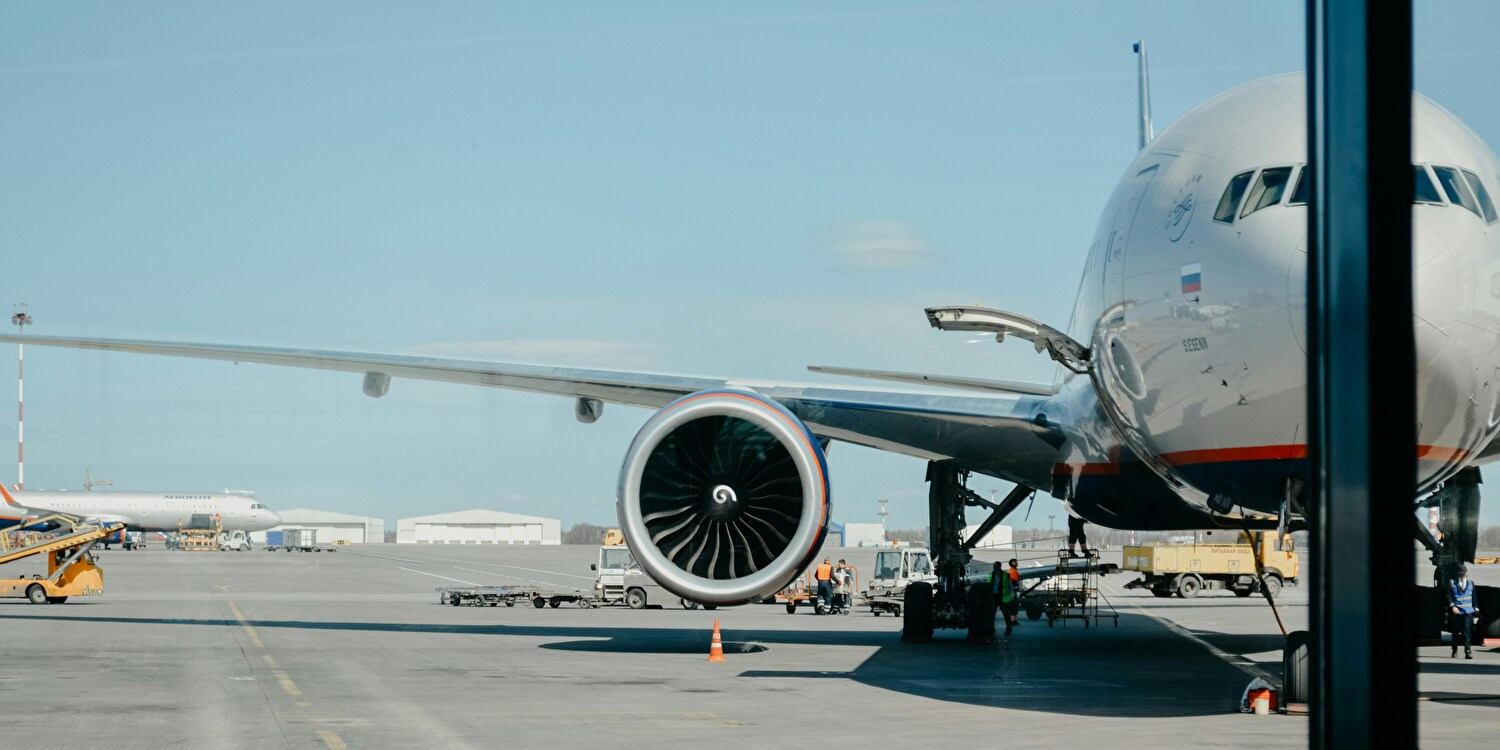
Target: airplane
141	511
1179	395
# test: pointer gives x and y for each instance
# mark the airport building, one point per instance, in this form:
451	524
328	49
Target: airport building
864	535
999	537
478	526
330	527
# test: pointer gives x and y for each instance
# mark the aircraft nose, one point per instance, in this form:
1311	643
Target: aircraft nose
1456	288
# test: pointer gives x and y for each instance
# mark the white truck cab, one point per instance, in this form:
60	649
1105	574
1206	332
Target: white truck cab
618	577
895	569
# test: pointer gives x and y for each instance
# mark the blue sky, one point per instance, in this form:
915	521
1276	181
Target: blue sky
711	188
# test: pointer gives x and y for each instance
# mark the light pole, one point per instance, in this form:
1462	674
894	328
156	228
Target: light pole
20	319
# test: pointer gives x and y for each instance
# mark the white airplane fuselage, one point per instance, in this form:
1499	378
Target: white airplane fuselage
148	511
1197	324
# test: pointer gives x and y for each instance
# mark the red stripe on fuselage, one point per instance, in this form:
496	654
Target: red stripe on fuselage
1290	452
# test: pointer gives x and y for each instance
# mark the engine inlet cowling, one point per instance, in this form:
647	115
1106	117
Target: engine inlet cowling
723	497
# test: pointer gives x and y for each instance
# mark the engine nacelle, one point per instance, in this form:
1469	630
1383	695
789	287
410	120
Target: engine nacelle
723	497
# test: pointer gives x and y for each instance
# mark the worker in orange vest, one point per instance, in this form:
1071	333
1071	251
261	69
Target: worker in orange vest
824	576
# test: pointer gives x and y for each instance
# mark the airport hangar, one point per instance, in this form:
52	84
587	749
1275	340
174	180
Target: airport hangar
479	526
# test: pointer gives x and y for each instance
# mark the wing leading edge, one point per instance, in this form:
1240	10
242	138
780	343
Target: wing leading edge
993	434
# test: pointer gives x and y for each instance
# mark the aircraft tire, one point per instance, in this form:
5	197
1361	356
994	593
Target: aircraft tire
916	627
981	613
1296	668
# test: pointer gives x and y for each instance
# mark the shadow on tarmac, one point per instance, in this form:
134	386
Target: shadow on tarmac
1140	669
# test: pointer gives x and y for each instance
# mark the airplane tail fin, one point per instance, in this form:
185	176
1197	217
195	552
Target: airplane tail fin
8	499
1143	91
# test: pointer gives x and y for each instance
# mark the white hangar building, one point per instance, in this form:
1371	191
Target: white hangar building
479	526
330	527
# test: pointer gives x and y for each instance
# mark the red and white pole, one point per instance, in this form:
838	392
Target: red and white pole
21	320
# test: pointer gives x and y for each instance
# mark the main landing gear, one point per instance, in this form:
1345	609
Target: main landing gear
953	602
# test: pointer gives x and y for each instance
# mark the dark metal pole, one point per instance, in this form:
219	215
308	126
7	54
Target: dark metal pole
1361	374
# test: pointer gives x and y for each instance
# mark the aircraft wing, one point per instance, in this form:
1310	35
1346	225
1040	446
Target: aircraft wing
997	434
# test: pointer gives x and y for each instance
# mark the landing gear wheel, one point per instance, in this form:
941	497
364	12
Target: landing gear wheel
635	599
539	602
917	604
791	608
1188	585
1296	670
980	609
36	594
1272	584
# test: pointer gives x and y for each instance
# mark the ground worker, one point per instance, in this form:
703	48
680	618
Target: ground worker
1014	573
842	586
824	576
1461	611
1005	596
1077	536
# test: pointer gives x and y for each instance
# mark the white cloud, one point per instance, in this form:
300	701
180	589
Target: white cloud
576	352
878	246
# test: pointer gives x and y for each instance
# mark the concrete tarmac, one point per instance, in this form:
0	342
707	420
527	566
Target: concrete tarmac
352	649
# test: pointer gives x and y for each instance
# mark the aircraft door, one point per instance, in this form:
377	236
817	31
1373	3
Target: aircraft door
1119	237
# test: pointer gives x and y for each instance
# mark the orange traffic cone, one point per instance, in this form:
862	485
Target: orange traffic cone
716	651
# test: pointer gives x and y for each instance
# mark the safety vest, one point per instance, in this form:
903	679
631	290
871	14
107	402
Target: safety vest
1015	575
1462	596
824	572
1006	590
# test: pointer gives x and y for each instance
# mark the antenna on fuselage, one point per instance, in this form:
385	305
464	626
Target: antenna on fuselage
1143	91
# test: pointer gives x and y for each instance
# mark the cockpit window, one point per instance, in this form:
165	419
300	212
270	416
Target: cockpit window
1426	191
1304	185
1268	189
1485	204
1458	191
1231	198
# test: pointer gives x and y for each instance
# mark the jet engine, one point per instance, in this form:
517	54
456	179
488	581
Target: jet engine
723	497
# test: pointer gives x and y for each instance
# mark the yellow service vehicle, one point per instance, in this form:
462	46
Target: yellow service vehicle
70	565
1187	569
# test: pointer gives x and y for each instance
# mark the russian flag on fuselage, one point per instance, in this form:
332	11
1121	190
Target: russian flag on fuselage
1192	278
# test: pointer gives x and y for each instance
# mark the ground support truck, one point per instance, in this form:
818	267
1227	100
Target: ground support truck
1189	569
619	579
295	540
70	566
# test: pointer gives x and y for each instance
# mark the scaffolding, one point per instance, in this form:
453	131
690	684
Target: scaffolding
1072	593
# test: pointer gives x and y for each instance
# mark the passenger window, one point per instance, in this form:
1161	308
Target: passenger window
1458	192
1268	189
1304	185
1231	198
1426	191
1485	204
